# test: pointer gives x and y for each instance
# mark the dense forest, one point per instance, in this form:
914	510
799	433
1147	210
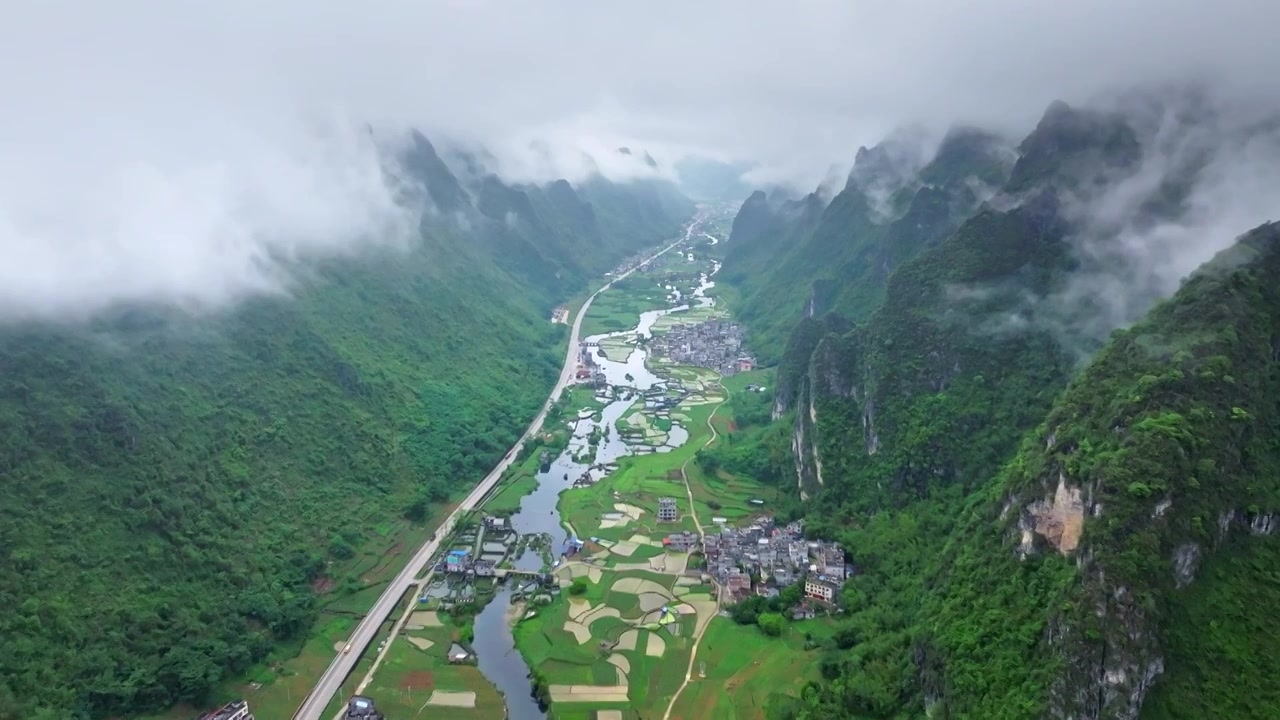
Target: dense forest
176	487
1048	521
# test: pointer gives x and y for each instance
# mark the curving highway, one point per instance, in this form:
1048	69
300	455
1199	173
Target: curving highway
329	683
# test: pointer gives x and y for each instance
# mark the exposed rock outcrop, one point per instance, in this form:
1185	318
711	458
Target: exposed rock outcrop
1058	519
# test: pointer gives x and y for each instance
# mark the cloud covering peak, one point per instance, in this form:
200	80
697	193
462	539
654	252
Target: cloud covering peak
181	151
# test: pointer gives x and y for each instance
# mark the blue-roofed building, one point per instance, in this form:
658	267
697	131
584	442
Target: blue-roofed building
456	561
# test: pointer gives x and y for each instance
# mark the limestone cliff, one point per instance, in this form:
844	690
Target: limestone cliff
1157	459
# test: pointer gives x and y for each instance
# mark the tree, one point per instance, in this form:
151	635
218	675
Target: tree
770	624
579	587
340	550
437	492
417	511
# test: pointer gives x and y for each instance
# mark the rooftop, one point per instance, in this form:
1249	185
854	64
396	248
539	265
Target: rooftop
238	710
362	708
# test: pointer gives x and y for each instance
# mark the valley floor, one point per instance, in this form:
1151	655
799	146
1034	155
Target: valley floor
630	626
637	629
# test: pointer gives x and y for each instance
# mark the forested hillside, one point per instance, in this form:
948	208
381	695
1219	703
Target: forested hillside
1036	536
175	487
789	259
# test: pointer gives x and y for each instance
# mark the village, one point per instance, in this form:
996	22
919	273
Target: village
713	343
763	558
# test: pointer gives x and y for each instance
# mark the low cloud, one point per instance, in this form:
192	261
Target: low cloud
218	222
1210	171
185	153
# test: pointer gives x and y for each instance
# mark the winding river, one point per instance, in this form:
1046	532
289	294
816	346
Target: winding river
494	644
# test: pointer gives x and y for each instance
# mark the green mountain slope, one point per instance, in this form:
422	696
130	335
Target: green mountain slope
175	487
1035	539
1123	562
802	259
937	383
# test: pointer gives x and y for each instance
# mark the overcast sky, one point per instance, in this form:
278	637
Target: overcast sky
168	149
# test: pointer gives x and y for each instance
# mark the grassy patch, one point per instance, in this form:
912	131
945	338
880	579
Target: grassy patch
561	659
521	480
408	675
640	480
619	307
747	672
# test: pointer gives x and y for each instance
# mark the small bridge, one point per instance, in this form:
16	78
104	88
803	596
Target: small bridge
590	343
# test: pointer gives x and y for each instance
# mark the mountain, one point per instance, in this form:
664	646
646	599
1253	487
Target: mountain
1127	549
837	256
184	494
946	342
1042	526
560	232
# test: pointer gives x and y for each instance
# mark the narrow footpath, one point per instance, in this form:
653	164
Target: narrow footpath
693	510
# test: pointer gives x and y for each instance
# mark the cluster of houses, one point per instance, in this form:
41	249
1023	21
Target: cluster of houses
763	557
487	551
588	370
713	343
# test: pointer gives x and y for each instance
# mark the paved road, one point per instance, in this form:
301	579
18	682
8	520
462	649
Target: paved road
367	630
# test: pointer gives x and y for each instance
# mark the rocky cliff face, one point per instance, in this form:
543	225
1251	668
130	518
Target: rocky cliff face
807	258
1146	462
1077	523
957	314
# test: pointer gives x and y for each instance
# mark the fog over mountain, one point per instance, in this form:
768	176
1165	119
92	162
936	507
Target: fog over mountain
178	152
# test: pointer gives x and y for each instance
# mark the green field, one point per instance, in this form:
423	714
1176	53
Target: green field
748	673
619	307
639	482
641	479
691	316
519	480
561	658
408	675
